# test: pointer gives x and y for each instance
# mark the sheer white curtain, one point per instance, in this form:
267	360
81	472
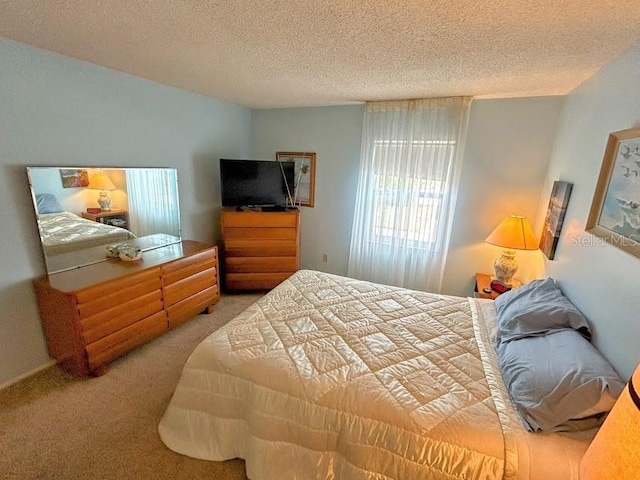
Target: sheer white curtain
409	170
153	196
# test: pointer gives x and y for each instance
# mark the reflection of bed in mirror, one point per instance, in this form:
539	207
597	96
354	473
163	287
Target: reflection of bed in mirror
61	195
66	232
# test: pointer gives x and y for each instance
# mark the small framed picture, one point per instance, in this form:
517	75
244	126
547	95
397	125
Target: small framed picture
304	176
73	178
556	211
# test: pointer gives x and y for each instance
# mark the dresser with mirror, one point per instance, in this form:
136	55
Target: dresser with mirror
96	306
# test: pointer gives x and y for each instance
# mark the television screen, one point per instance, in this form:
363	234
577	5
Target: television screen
255	182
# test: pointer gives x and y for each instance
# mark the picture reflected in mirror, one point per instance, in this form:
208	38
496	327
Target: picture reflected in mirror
81	211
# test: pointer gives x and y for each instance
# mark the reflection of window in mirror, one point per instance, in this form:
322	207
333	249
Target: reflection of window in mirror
153	201
75	229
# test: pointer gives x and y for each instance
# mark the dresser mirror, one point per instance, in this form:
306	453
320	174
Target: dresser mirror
81	211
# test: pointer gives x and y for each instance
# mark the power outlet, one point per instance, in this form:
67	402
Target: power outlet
325	257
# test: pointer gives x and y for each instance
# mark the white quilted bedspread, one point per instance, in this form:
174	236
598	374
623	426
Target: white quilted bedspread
333	378
66	232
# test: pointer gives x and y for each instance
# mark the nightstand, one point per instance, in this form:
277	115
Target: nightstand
117	218
484	281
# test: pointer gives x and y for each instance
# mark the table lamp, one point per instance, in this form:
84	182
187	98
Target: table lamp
103	183
513	233
615	450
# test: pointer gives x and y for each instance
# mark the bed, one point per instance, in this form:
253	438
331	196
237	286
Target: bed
329	377
64	232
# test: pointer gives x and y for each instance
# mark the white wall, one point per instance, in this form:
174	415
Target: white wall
334	134
507	154
60	111
602	280
508	149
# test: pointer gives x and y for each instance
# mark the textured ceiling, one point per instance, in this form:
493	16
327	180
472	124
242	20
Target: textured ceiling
278	53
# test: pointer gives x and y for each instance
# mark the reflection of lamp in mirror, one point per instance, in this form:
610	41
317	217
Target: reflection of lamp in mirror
513	233
103	183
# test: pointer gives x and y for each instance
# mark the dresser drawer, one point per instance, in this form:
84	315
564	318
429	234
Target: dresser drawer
267	248
261	264
260	234
109	348
187	308
259	219
119	285
190	286
209	257
120	316
190	270
254	281
100	303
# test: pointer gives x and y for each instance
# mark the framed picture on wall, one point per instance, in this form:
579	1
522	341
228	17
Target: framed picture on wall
556	211
74	177
615	209
304	176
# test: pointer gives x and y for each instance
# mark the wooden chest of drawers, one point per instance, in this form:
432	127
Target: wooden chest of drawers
261	249
189	284
95	314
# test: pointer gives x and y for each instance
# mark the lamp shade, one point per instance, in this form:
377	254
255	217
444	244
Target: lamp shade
615	451
101	182
514	232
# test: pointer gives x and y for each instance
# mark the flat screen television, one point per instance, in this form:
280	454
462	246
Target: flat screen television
261	183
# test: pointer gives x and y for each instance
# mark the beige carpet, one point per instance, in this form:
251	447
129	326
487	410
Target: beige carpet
53	426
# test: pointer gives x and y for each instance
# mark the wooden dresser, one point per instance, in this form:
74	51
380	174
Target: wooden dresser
94	314
260	249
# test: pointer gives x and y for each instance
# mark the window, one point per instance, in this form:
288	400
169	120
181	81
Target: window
407	207
409	168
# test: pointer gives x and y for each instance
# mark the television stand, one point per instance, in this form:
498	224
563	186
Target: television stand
260	249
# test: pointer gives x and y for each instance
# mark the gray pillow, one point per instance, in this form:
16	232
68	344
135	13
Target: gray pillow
47	203
553	378
537	308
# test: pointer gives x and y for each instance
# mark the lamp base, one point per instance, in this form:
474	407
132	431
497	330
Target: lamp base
104	201
506	267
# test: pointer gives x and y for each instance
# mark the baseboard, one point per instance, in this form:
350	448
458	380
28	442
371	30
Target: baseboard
8	383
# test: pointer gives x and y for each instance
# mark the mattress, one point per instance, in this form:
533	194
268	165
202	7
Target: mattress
329	377
66	232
